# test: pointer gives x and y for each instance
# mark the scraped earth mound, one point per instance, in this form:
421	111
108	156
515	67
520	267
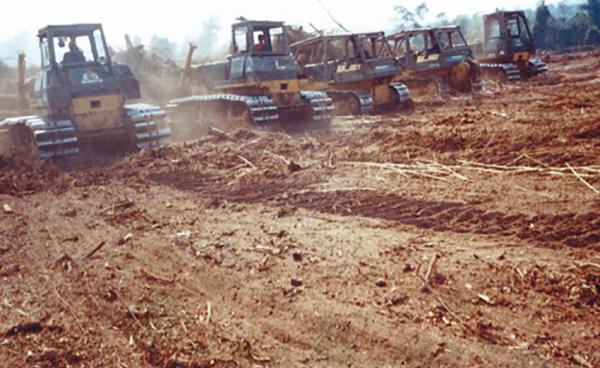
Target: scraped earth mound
466	234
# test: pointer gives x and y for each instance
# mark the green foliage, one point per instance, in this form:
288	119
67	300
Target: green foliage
592	37
406	19
554	26
441	20
571	26
207	41
162	47
593	9
543	26
563	32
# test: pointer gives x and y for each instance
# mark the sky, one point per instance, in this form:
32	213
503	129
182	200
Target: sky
181	20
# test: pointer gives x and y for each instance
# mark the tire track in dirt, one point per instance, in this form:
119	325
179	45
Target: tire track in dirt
579	230
570	229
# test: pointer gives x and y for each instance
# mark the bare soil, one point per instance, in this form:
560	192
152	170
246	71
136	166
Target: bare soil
466	234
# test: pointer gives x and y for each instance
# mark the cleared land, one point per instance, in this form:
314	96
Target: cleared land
464	234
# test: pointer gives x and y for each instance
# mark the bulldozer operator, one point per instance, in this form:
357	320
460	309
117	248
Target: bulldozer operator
262	45
435	47
74	55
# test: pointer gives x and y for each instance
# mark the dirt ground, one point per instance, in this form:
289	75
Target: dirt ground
466	234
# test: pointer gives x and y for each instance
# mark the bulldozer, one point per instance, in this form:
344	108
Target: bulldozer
257	87
357	79
77	100
436	58
508	50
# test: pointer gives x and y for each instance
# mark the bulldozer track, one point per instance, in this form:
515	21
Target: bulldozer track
510	72
320	103
352	102
52	138
403	93
477	84
538	66
362	102
56	138
261	110
147	131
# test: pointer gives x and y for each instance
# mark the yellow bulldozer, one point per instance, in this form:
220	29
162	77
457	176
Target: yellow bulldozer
258	86
78	100
436	58
508	51
356	76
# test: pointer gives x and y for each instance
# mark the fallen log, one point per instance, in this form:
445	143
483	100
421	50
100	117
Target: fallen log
219	133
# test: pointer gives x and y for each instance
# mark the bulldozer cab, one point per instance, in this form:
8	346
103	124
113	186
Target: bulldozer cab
73	45
78	53
346	57
76	64
430	48
507	33
261	52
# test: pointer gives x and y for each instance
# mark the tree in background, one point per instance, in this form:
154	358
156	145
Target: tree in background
162	47
207	40
593	9
3	67
542	30
441	20
592	38
422	10
406	19
575	31
554	26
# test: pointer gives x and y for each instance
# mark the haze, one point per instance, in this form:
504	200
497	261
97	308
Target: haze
181	20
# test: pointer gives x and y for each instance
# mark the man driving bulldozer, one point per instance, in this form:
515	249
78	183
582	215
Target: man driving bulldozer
435	43
74	55
261	43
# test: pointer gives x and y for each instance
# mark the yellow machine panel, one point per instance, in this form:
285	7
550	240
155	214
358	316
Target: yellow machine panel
423	59
272	88
282	86
98	113
521	56
348	68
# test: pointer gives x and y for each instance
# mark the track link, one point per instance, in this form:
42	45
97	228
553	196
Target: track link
146	121
539	67
510	71
403	93
262	109
477	84
363	99
52	138
320	104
